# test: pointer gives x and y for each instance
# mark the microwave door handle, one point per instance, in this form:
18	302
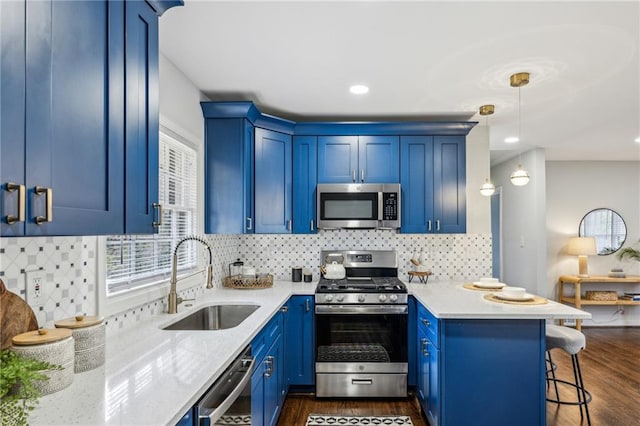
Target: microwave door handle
380	196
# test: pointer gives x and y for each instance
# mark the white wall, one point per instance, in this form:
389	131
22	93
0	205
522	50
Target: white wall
524	242
478	207
573	189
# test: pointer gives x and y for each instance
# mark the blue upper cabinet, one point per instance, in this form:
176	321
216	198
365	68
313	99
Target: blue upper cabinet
346	159
63	157
432	177
142	125
248	170
229	176
273	182
305	170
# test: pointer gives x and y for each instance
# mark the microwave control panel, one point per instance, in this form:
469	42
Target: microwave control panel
390	206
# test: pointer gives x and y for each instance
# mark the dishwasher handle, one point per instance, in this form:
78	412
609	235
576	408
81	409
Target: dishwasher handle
215	414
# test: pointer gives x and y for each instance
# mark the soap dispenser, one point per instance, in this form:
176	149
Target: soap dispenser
235	268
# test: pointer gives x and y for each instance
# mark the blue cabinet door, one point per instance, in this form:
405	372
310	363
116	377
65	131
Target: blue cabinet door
12	118
74	163
432	378
304	184
449	181
378	160
273	187
416	181
300	341
228	176
142	125
257	395
422	364
337	159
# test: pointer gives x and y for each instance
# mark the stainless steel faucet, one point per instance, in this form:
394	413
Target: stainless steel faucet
174	300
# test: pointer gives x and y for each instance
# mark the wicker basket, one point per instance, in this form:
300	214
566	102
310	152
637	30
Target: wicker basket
601	295
240	281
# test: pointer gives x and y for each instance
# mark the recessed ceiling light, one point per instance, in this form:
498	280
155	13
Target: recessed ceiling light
511	139
359	89
637	139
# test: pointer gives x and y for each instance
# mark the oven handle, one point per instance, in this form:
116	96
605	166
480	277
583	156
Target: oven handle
215	415
368	309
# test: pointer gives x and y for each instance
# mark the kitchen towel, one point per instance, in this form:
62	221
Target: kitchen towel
328	419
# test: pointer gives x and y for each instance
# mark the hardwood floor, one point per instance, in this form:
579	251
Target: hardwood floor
610	368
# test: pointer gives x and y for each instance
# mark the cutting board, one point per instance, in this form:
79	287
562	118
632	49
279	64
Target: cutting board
16	316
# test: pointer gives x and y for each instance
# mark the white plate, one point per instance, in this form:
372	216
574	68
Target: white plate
523	298
484	284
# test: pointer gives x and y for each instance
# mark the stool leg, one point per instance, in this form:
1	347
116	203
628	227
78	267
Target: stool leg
575	380
582	389
553	375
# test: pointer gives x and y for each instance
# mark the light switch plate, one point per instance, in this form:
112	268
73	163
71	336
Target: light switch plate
34	288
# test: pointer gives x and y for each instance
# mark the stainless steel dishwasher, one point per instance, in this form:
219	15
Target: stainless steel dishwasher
228	401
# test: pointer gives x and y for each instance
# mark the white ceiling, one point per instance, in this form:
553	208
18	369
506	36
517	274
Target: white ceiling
427	60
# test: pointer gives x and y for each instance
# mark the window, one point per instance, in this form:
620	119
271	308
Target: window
137	260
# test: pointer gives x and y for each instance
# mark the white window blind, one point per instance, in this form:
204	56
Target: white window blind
136	260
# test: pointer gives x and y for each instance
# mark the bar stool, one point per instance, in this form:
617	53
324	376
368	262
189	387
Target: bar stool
571	341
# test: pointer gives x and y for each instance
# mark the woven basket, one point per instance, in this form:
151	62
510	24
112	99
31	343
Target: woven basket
601	295
239	281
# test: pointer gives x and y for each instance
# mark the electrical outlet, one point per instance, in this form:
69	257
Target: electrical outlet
34	284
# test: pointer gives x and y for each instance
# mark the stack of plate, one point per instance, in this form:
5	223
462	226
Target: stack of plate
491	283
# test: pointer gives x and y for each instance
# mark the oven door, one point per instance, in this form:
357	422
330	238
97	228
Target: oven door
361	339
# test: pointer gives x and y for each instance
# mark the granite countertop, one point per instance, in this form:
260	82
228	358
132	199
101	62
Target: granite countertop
153	376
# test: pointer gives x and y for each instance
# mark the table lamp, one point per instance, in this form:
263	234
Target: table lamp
582	247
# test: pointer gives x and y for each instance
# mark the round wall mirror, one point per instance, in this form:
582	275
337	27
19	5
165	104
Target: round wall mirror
607	227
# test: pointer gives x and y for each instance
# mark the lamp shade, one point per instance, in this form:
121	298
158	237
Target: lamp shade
582	246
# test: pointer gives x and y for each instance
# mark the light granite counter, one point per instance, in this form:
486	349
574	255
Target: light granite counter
152	376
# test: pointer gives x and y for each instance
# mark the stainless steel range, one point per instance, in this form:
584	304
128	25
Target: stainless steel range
361	327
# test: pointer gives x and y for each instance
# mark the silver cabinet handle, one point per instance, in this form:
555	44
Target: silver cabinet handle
307	305
425	322
289	223
48	193
269	364
10	187
424	343
353	175
250	223
429	225
284	309
158	208
438	225
362	175
312	225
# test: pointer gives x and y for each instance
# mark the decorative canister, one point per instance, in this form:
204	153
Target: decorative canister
89	335
54	346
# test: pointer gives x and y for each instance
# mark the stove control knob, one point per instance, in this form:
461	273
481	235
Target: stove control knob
328	297
383	297
393	298
340	298
361	298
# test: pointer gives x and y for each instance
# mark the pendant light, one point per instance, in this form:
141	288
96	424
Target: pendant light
487	189
520	176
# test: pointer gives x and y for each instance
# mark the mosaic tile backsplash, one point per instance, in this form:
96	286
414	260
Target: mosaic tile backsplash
71	267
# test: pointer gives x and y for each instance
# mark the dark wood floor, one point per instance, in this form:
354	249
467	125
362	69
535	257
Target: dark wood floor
610	368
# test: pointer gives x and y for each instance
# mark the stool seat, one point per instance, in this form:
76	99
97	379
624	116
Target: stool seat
569	339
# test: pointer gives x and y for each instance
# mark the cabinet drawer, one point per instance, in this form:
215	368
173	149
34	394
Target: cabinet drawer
262	342
429	324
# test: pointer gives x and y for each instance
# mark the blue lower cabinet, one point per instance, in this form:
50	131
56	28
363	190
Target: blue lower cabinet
300	340
473	363
268	384
188	419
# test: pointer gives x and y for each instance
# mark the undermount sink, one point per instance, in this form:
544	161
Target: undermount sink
214	317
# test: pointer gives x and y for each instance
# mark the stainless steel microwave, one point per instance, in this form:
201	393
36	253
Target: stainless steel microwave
359	205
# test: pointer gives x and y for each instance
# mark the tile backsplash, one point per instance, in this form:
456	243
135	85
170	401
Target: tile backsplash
71	266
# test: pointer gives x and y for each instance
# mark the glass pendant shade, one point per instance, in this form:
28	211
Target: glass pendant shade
487	189
520	176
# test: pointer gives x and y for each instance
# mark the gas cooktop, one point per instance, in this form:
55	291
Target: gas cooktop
361	285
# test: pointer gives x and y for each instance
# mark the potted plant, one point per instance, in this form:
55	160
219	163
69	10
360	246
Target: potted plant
18	391
629	253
